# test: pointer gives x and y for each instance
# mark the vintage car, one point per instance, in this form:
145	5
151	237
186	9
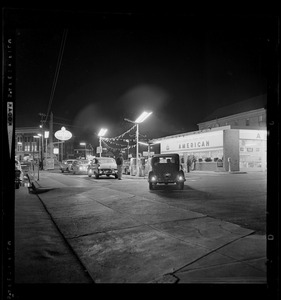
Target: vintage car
102	166
65	165
166	169
80	166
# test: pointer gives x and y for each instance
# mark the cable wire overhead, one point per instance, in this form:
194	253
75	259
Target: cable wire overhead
56	73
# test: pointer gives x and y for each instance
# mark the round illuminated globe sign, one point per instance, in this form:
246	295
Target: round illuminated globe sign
63	134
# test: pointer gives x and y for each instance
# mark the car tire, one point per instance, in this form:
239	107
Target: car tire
151	186
180	185
116	176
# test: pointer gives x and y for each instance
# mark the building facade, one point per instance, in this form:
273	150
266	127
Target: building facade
230	139
246	114
219	149
26	145
254	119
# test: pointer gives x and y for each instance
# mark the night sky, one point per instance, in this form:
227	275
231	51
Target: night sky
180	67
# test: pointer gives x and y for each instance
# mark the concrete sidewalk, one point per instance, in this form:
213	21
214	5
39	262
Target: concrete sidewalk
76	246
41	253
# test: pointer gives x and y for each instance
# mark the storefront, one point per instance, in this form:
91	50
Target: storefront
218	149
252	150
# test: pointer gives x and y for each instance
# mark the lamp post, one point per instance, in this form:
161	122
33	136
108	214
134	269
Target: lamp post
46	136
38	137
139	120
41	152
101	133
83	144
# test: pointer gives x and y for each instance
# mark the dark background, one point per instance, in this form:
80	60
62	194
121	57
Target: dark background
115	65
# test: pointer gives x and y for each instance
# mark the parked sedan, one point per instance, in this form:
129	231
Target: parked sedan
102	166
80	166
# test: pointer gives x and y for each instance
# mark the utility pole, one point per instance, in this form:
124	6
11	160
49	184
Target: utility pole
51	136
42	139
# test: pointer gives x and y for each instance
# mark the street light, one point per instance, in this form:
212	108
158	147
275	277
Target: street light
84	144
101	133
139	120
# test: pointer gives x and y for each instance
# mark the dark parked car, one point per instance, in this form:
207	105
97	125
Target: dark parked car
166	169
102	166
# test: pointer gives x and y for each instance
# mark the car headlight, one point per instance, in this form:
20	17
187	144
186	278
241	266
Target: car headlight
153	178
180	178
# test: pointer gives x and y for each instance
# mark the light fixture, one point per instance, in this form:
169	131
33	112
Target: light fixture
102	132
142	117
142	143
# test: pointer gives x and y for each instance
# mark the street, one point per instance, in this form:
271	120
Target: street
119	231
236	198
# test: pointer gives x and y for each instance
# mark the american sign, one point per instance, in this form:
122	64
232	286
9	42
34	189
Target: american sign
195	141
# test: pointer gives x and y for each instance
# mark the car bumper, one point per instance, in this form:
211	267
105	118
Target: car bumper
155	179
107	172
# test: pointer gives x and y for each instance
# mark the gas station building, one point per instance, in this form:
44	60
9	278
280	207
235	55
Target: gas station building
224	141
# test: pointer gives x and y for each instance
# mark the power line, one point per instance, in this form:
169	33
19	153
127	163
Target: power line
56	73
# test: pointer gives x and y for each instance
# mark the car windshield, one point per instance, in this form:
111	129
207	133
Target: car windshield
165	160
83	162
106	160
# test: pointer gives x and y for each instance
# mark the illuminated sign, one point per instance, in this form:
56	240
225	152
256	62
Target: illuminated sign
193	142
63	134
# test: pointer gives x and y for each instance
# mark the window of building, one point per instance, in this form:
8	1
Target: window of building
247	122
33	146
260	118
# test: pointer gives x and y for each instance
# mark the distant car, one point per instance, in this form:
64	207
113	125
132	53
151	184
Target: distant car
80	166
65	166
166	169
102	166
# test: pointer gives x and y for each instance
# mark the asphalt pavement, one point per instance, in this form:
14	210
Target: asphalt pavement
128	245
